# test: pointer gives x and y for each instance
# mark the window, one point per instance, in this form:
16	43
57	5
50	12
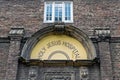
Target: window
58	11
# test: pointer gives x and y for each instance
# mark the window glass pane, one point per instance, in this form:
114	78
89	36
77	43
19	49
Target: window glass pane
67	11
58	11
58	14
49	11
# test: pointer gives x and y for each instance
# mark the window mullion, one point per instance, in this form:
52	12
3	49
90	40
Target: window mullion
63	11
71	5
45	14
53	11
58	14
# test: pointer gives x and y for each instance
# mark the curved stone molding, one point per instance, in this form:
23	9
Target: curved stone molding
60	52
62	29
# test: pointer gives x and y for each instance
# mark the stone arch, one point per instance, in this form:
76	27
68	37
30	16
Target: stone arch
59	29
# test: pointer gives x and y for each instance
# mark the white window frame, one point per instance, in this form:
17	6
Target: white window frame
53	12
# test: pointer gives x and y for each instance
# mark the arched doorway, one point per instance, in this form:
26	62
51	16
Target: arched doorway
59	46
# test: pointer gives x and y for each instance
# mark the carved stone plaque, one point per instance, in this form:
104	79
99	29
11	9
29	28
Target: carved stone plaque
59	76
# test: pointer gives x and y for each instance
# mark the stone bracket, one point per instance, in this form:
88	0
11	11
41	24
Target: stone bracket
59	28
16	33
102	34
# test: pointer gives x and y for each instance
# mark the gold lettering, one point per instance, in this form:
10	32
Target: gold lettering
58	43
42	51
72	47
53	43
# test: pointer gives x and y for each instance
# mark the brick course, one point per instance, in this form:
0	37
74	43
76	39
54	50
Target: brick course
115	49
88	14
4	47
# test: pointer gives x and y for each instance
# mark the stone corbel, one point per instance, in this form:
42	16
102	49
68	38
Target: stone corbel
16	33
59	28
102	34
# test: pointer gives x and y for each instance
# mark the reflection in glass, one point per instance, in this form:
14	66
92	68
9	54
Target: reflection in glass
67	11
49	11
58	12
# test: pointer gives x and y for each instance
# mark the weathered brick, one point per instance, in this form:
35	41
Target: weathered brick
88	14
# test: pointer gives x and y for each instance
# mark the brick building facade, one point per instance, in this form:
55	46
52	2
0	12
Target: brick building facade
23	20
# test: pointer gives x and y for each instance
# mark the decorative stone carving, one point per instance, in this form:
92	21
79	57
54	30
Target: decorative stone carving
33	72
74	32
16	33
59	27
84	73
59	76
103	34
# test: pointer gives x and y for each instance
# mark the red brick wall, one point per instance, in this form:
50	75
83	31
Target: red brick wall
4	48
87	15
